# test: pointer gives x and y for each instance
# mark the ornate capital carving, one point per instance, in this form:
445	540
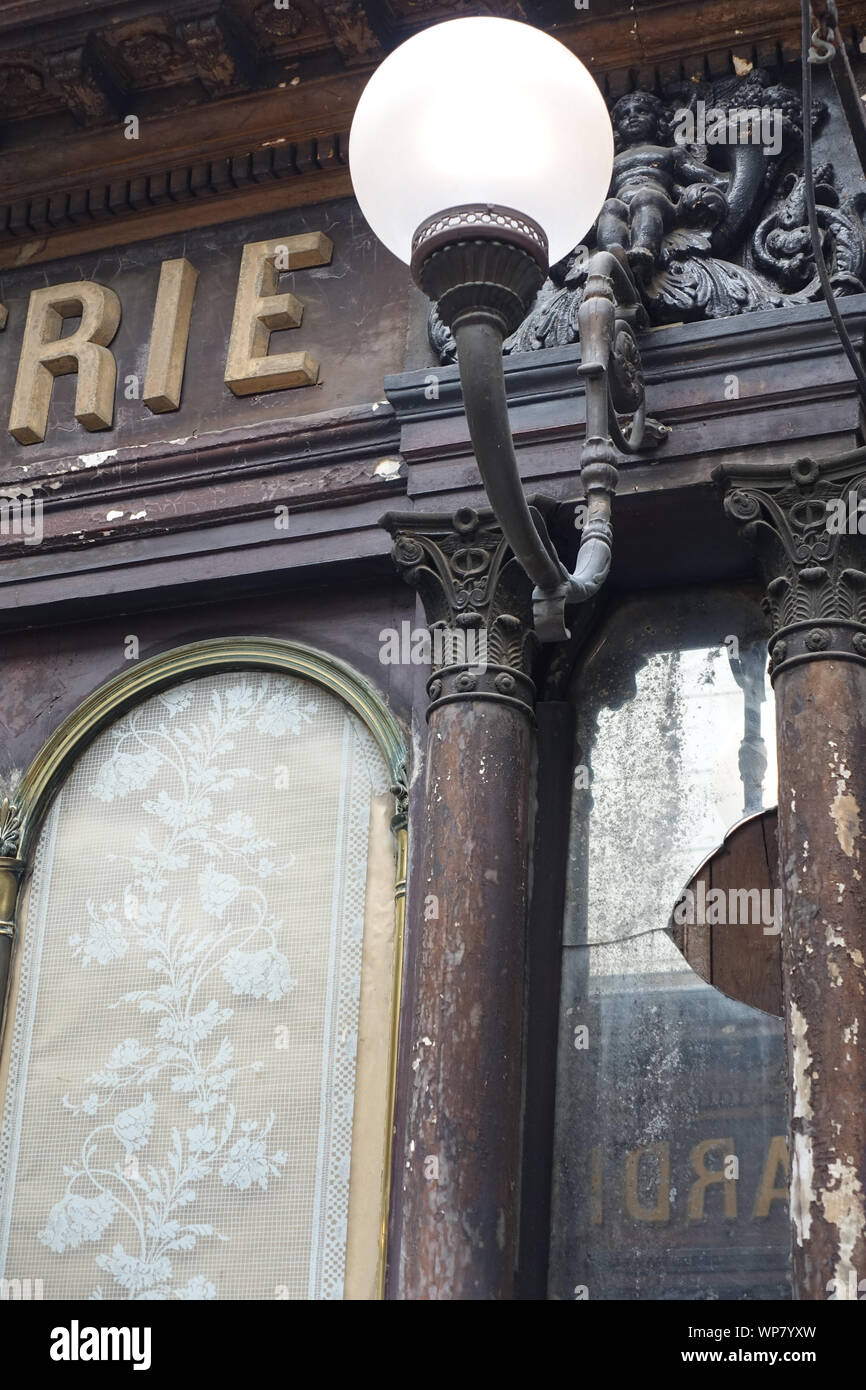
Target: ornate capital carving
808	522
478	603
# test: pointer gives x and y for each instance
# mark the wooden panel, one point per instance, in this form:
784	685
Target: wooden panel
354	321
742	958
212	84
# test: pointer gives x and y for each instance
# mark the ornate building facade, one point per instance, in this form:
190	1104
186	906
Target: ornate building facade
350	928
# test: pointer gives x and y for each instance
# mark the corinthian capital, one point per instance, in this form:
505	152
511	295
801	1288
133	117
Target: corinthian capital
808	522
477	600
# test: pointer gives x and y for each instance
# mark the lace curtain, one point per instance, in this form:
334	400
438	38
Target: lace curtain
181	1066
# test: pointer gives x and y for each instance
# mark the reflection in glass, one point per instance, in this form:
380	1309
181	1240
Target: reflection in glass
670	1160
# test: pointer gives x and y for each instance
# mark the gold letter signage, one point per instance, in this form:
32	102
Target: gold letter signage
45	355
169	335
260	311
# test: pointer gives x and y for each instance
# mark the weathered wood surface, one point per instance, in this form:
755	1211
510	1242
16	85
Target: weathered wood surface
740	958
821	719
457	1161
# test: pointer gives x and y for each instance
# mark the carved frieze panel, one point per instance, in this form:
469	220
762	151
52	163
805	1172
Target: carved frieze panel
147	53
708	202
351	32
273	26
23	87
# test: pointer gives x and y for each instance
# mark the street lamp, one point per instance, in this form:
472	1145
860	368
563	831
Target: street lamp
481	152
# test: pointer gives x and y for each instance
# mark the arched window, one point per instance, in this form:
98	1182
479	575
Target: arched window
198	1056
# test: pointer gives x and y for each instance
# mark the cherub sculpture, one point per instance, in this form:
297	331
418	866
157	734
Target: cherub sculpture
654	185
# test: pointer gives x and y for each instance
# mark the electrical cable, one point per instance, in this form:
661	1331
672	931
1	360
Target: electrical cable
814	230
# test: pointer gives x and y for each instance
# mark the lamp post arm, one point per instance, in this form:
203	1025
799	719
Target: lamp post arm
479	336
482	287
610	312
610	365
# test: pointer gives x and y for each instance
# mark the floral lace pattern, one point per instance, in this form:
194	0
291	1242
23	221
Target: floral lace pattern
221	931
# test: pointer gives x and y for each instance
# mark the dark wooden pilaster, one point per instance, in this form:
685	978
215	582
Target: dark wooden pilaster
813	559
457	1161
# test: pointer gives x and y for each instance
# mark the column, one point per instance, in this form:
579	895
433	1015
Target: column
805	522
454	1229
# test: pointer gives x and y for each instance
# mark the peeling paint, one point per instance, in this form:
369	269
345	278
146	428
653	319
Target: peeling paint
802	1063
844	1208
500	1229
846	814
94	460
802	1195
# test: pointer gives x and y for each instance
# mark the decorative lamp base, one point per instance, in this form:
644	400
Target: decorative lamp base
480	257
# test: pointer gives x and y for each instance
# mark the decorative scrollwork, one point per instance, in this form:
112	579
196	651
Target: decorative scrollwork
626	371
10	828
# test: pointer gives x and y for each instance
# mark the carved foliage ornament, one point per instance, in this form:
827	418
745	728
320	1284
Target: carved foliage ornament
810	530
10	828
22	88
11	867
707	201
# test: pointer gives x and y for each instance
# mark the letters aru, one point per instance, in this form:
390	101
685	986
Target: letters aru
260	310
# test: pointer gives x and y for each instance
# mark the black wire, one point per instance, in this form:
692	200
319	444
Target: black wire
809	184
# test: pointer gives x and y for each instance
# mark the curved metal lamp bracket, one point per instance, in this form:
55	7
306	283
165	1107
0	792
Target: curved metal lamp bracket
483	266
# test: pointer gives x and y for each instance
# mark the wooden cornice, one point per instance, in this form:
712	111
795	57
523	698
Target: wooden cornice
242	105
196	514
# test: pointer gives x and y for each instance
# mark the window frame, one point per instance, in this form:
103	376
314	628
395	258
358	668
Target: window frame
111	701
